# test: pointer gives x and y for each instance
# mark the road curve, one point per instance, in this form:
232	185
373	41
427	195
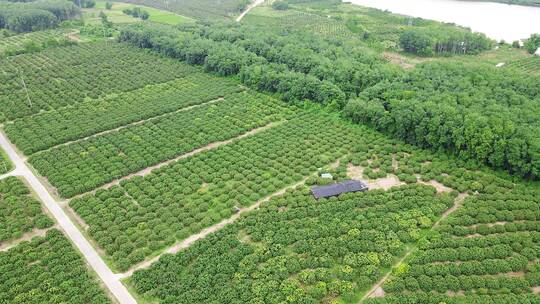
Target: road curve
249	8
111	280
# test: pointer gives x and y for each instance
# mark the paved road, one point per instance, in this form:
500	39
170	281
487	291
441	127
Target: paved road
248	8
111	280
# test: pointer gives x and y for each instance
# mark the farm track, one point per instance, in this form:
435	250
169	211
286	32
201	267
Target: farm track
210	146
195	237
111	280
248	9
376	290
139	122
25	237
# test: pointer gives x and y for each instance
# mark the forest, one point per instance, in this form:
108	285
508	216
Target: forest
301	67
34	16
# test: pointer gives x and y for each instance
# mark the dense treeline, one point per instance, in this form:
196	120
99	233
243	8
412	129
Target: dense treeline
478	112
442	40
475	111
33	16
296	67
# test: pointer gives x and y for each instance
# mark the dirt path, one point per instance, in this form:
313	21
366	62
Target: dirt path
195	237
25	237
111	280
376	290
457	203
139	122
213	145
190	240
249	8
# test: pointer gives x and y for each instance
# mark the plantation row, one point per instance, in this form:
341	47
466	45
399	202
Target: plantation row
497	258
5	164
82	166
47	270
19	211
316	24
64	76
296	249
528	65
15	42
144	214
45	130
198	9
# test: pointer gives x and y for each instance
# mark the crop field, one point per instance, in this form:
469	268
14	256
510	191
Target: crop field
42	269
196	9
5	164
116	15
319	25
19	211
84	165
488	250
530	65
295	247
47	270
144	214
18	41
59	77
48	129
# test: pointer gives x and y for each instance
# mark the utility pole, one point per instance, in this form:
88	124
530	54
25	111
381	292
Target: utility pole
25	89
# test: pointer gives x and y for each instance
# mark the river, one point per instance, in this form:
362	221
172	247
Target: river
496	20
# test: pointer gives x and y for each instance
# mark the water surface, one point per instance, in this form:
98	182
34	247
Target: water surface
496	20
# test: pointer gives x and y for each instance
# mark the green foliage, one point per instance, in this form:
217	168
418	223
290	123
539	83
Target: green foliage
280	5
52	128
478	112
19	211
47	270
108	5
296	68
295	249
533	43
147	213
137	12
76	73
443	40
34	16
139	146
489	246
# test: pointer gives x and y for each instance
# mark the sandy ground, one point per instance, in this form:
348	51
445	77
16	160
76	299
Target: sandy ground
356	172
5	246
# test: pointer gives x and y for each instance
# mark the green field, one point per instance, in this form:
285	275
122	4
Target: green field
115	14
5	164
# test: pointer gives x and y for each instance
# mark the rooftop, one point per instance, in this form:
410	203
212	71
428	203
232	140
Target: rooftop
338	188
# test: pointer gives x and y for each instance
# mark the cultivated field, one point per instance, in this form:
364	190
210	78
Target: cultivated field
174	164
